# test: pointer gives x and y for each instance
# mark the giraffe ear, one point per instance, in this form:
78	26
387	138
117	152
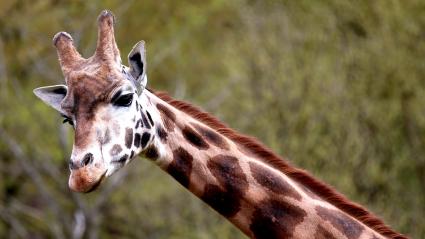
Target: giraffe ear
52	95
137	63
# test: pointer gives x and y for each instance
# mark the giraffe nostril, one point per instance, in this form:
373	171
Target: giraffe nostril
72	165
88	159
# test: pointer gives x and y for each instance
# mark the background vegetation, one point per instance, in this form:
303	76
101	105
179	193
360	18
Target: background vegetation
337	87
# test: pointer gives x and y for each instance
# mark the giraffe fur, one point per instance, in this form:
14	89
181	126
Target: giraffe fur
116	118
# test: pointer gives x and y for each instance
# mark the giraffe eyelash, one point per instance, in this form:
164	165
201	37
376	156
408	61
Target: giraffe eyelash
67	120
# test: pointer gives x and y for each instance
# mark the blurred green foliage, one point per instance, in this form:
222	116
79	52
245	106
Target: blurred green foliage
337	87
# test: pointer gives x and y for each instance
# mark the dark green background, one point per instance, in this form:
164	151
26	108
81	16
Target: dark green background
337	87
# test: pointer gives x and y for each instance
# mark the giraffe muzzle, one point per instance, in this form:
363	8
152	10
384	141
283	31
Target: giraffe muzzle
86	175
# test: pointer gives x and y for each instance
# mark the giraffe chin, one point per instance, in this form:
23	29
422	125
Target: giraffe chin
85	181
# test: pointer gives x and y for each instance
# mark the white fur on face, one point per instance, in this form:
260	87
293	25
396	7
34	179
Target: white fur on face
123	131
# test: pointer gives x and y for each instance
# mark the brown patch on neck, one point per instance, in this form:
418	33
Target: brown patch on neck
272	182
161	133
225	198
194	138
266	155
228	172
276	219
168	117
212	137
181	166
346	225
322	233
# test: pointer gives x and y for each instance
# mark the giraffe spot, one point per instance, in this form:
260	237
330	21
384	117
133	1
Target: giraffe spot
181	166
168	117
145	138
194	138
167	112
145	121
272	182
220	200
137	140
122	159
128	137
151	153
212	137
161	133
322	233
346	225
116	149
168	124
139	124
149	117
225	198
275	219
228	172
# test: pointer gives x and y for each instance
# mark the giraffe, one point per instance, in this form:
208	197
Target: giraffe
116	118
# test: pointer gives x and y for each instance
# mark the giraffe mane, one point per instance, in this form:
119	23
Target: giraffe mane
321	189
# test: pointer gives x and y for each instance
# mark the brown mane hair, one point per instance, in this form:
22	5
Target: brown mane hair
299	175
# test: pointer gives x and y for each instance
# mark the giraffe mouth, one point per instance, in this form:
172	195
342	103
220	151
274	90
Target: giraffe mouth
97	184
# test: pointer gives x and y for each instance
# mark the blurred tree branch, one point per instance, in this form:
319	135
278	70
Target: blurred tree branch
13	222
36	178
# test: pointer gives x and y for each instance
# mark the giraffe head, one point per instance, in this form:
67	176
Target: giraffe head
103	101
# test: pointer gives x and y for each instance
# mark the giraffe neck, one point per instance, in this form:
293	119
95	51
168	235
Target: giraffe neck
260	200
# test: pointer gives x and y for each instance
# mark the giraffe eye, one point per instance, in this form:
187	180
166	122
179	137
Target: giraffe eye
123	100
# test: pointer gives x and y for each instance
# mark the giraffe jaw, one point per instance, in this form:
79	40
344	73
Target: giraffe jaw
97	184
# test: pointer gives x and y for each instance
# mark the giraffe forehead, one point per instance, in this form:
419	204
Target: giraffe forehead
87	91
